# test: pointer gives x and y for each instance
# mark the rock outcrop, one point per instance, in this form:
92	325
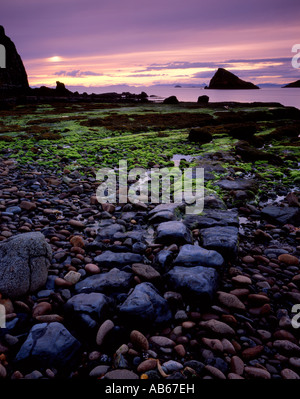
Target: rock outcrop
225	80
293	84
13	78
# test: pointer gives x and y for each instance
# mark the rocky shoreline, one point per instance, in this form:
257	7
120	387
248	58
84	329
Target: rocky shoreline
139	291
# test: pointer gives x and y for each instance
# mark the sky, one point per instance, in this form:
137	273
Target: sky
147	42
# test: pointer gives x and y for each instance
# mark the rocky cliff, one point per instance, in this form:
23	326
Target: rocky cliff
13	78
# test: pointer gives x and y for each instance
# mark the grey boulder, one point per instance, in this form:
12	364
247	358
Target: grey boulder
24	262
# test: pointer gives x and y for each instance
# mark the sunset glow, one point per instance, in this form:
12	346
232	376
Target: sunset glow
97	43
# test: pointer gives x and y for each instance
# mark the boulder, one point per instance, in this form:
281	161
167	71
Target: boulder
173	232
145	307
87	310
113	281
223	239
249	154
193	255
49	345
196	282
225	80
203	100
13	78
171	100
282	216
24	262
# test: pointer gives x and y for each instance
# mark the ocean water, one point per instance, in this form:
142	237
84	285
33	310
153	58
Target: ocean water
287	96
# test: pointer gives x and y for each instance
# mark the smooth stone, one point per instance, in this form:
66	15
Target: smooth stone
162	341
288	259
285	215
242	280
147	365
72	277
139	340
230	301
255	372
237	365
217	327
171	365
104	329
121	374
288	374
98	371
92	268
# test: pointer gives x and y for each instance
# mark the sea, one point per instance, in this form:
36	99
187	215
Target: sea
284	96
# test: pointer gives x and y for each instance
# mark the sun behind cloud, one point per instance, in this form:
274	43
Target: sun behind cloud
56	58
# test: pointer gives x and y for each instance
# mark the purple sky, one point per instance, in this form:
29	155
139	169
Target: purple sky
142	42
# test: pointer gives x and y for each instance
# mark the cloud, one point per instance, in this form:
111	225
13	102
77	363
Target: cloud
77	73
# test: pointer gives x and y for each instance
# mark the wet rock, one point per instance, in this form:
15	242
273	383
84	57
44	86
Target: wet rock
144	307
194	282
282	216
87	310
118	259
200	135
238	184
193	255
25	260
223	239
173	232
49	345
145	272
113	281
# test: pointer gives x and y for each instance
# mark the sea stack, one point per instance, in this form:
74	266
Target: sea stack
225	80
13	78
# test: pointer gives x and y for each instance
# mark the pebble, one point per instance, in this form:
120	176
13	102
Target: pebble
288	374
98	371
288	259
237	365
214	344
3	372
104	329
230	301
92	268
72	277
41	308
242	280
147	365
180	350
217	327
171	365
139	340
252	353
162	341
255	372
215	372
